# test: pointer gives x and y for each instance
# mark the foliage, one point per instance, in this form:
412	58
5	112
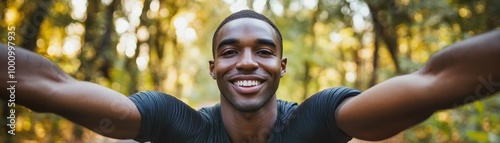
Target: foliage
137	45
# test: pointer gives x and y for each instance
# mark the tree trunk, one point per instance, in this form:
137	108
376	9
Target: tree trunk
106	50
32	22
162	38
389	37
377	27
307	64
87	56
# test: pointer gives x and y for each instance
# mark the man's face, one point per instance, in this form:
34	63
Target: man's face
247	63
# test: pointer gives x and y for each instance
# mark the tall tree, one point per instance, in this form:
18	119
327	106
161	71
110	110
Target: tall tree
32	22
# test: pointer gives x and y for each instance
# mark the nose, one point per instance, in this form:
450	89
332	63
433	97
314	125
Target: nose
246	61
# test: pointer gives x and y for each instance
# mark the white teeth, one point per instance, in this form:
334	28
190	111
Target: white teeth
247	82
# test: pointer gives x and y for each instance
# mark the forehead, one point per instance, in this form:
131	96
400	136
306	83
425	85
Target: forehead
247	27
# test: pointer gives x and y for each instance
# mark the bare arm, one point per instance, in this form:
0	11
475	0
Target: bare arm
459	74
43	87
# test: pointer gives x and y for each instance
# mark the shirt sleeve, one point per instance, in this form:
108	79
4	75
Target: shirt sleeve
315	120
164	118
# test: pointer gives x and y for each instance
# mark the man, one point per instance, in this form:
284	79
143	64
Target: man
247	65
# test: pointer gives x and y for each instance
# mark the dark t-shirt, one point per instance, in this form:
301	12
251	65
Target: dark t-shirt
167	119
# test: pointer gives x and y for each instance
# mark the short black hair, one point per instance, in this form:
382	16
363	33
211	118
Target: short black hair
247	14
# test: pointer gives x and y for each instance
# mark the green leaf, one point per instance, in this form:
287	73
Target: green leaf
478	136
479	107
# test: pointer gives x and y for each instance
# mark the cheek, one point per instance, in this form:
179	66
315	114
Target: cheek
222	66
271	64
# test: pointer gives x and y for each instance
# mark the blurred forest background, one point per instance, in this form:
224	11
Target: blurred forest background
164	45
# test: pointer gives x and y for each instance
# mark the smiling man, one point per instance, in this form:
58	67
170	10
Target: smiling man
248	64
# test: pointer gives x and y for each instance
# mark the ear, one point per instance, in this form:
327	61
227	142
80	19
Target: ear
212	72
283	67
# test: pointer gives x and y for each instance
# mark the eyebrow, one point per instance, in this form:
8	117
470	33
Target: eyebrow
227	42
230	41
266	42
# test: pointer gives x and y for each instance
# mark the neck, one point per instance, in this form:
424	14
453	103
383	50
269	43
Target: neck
251	127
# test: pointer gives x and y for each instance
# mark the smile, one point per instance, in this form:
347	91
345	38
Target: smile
246	83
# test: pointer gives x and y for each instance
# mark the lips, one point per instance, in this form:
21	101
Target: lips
247	84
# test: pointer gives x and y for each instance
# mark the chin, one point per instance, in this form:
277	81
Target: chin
249	108
251	105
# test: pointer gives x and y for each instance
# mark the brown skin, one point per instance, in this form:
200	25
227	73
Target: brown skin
247	49
462	73
43	87
459	74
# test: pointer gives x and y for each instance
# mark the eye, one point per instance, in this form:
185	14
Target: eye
265	52
229	52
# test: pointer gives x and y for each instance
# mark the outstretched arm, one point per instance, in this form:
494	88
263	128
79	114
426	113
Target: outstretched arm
43	87
459	74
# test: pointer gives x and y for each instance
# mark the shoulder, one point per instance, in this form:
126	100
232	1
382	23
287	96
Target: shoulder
286	105
338	91
159	103
285	109
149	96
211	113
314	119
155	99
164	117
332	96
